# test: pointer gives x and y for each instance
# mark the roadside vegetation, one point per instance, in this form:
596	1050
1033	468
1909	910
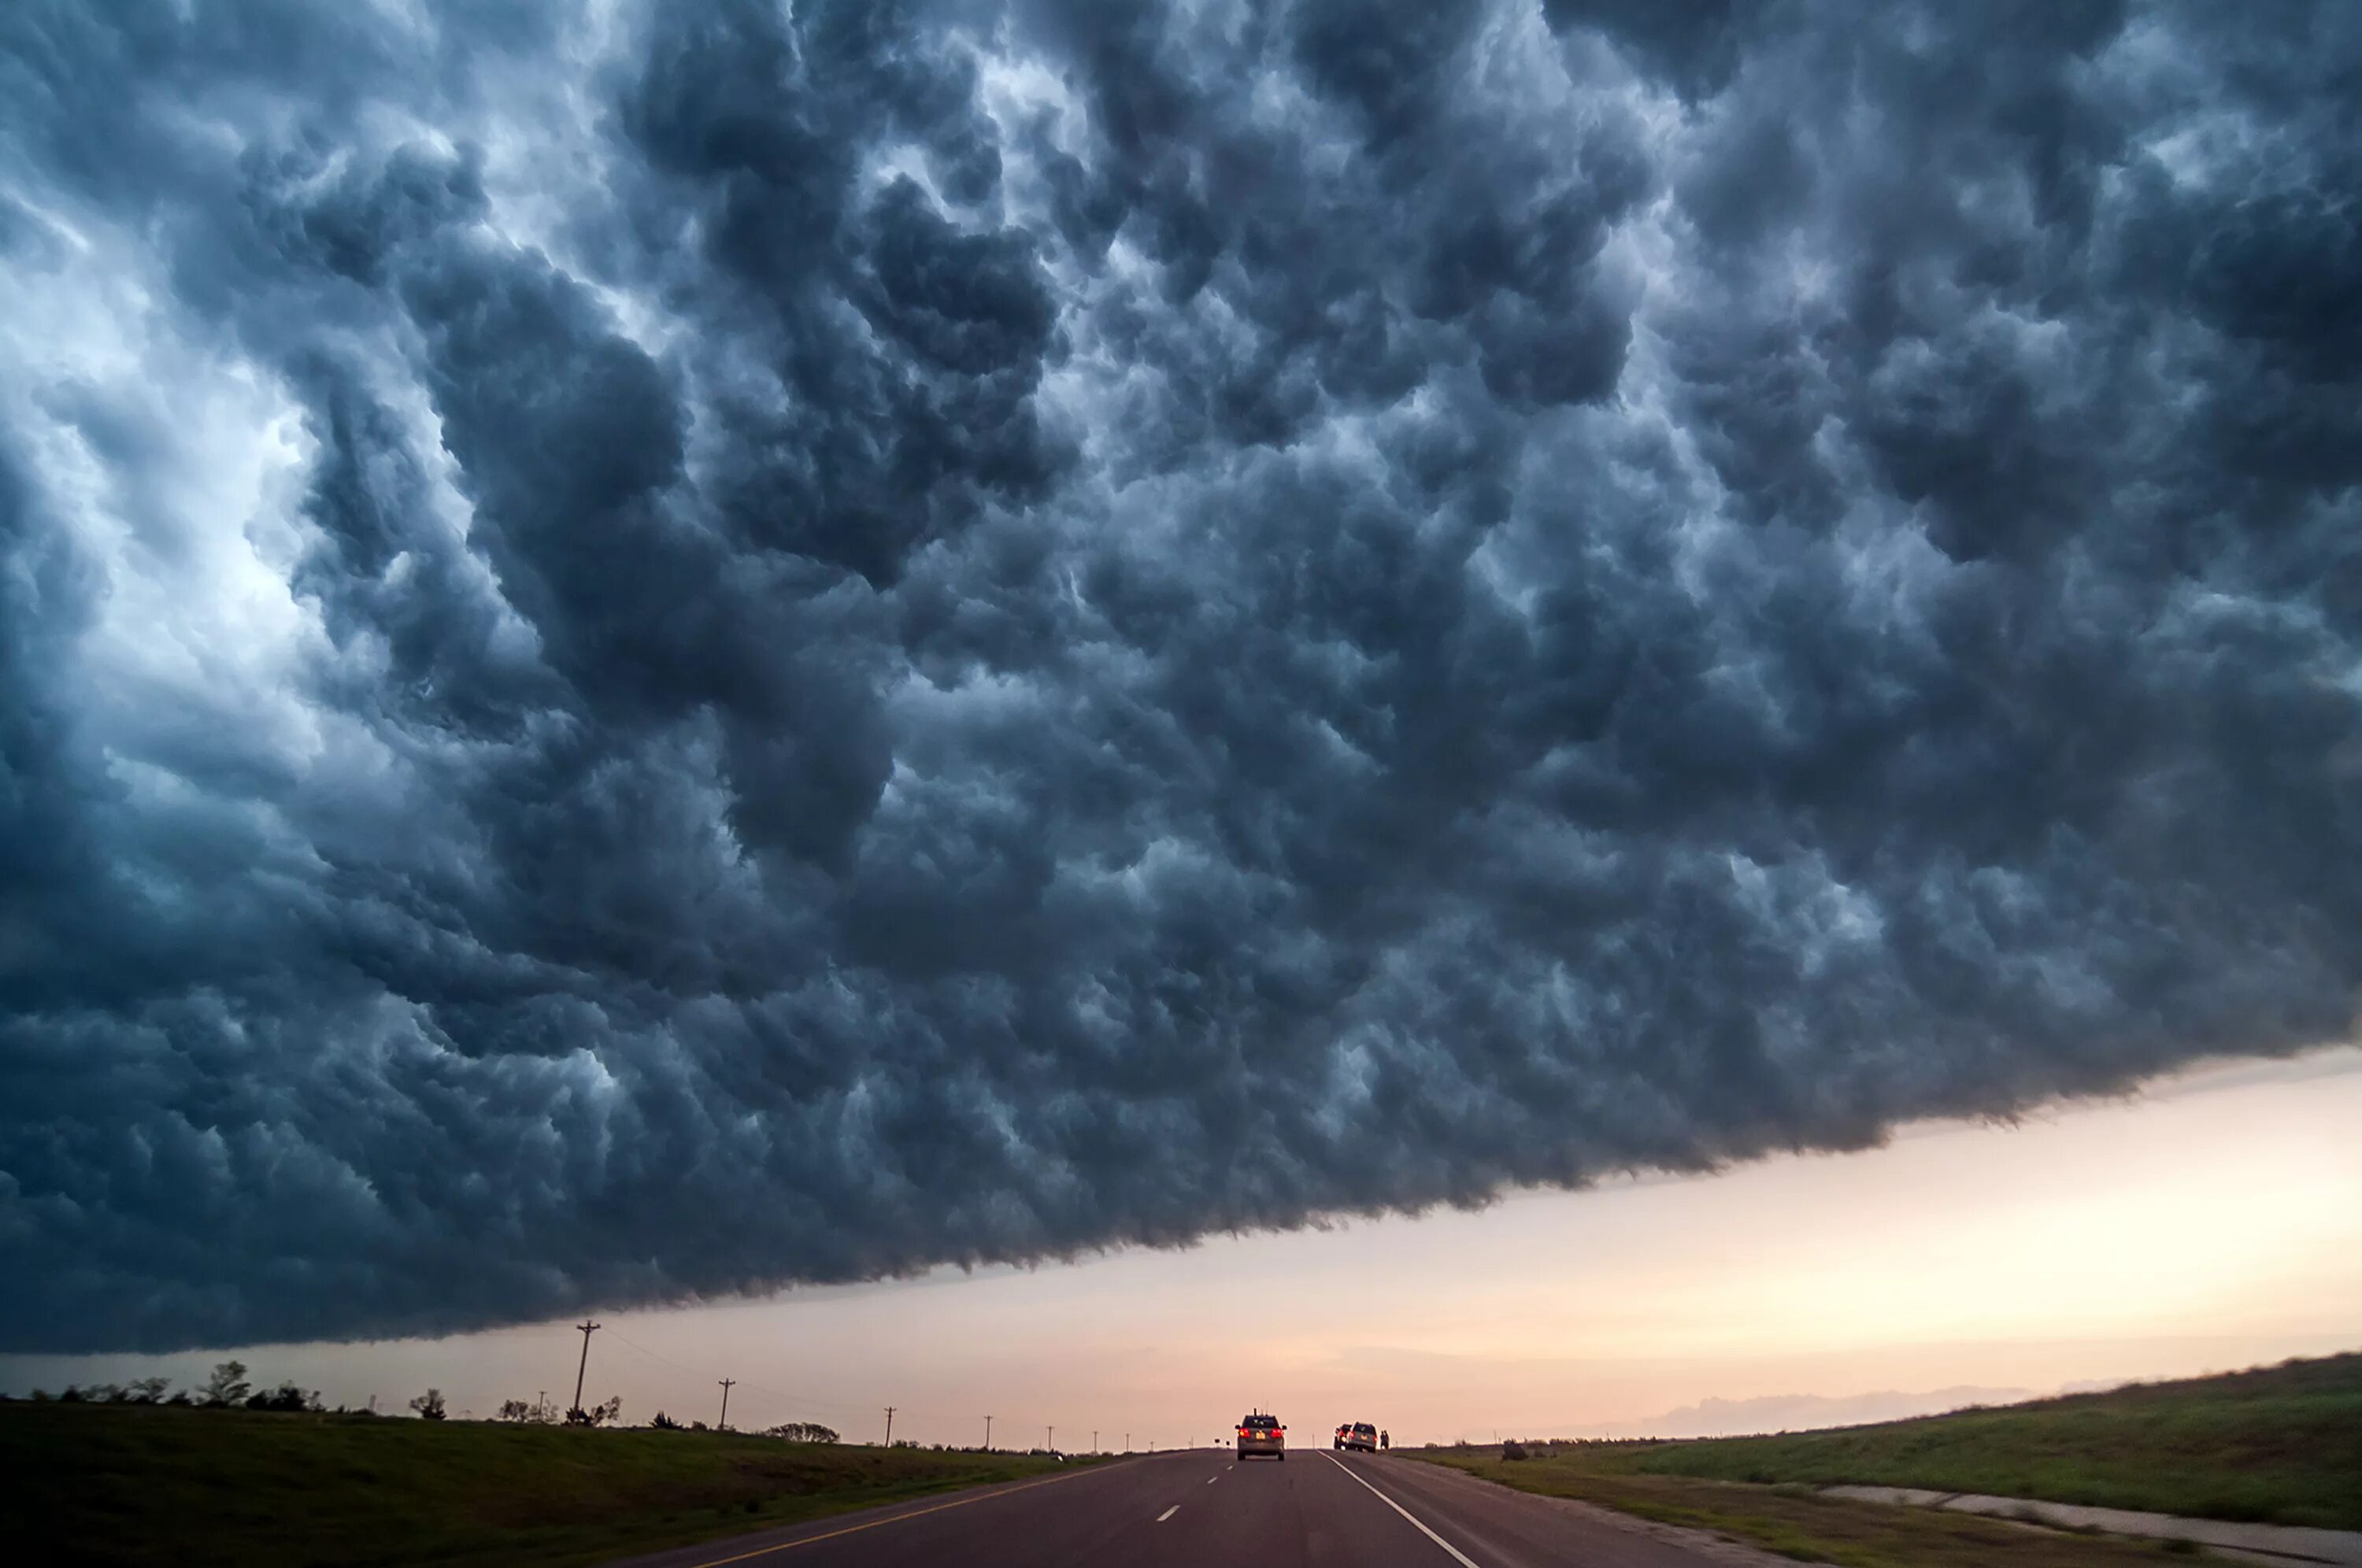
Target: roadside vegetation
2277	1445
155	1484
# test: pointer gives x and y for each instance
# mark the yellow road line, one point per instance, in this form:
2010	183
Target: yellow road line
898	1518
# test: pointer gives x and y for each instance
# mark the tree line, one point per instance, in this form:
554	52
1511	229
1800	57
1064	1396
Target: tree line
227	1388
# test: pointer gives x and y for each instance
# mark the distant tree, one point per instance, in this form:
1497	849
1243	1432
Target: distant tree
1513	1448
148	1390
665	1423
227	1386
803	1431
515	1410
429	1404
70	1395
698	1427
597	1415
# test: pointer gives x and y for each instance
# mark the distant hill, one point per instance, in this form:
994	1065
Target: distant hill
2277	1444
1801	1412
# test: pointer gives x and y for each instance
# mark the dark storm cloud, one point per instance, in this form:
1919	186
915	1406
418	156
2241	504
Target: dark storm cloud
733	645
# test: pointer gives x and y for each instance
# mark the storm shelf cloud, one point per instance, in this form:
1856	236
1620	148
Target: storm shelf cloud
651	650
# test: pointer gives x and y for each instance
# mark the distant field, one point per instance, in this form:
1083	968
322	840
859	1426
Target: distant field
135	1485
2278	1446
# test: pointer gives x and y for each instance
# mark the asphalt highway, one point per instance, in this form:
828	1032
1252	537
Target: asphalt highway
1205	1506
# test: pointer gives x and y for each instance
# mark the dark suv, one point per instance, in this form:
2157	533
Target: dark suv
1260	1433
1361	1435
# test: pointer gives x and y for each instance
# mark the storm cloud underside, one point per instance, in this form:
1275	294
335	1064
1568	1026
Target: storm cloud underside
659	650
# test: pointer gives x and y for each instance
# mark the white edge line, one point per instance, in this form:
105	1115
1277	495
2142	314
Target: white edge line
1168	1513
1457	1556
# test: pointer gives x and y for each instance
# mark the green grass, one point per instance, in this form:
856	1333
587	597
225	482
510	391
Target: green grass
2278	1445
137	1485
1794	1522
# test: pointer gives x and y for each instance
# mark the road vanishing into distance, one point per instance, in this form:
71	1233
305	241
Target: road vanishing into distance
1198	1507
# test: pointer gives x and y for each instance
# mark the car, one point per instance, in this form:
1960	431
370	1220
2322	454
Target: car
1361	1435
1259	1433
1342	1427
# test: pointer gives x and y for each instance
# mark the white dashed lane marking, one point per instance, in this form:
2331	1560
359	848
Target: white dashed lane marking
1168	1513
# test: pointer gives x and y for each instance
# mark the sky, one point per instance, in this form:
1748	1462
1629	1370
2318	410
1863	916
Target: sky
2211	1222
653	653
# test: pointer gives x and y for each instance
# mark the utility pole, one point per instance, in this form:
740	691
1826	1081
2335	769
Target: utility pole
988	1434
1051	1441
890	1426
727	1384
1127	1443
1095	1440
588	1328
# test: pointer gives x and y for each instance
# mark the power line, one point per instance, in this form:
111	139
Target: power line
790	1397
653	1356
803	1400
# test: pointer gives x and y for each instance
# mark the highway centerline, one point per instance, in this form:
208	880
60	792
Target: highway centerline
1168	1513
1457	1555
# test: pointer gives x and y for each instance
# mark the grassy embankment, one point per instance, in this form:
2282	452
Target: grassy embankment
138	1485
2278	1445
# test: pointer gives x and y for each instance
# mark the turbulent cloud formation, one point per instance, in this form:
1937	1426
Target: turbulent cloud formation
660	649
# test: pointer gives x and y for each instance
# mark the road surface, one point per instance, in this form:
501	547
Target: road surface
1204	1506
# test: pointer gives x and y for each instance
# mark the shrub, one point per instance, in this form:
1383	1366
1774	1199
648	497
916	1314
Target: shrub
286	1397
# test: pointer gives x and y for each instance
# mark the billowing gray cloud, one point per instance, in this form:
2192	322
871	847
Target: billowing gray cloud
657	650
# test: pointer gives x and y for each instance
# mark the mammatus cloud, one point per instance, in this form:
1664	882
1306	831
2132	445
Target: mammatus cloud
649	650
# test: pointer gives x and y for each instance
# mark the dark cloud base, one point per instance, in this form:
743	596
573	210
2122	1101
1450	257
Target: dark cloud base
911	635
